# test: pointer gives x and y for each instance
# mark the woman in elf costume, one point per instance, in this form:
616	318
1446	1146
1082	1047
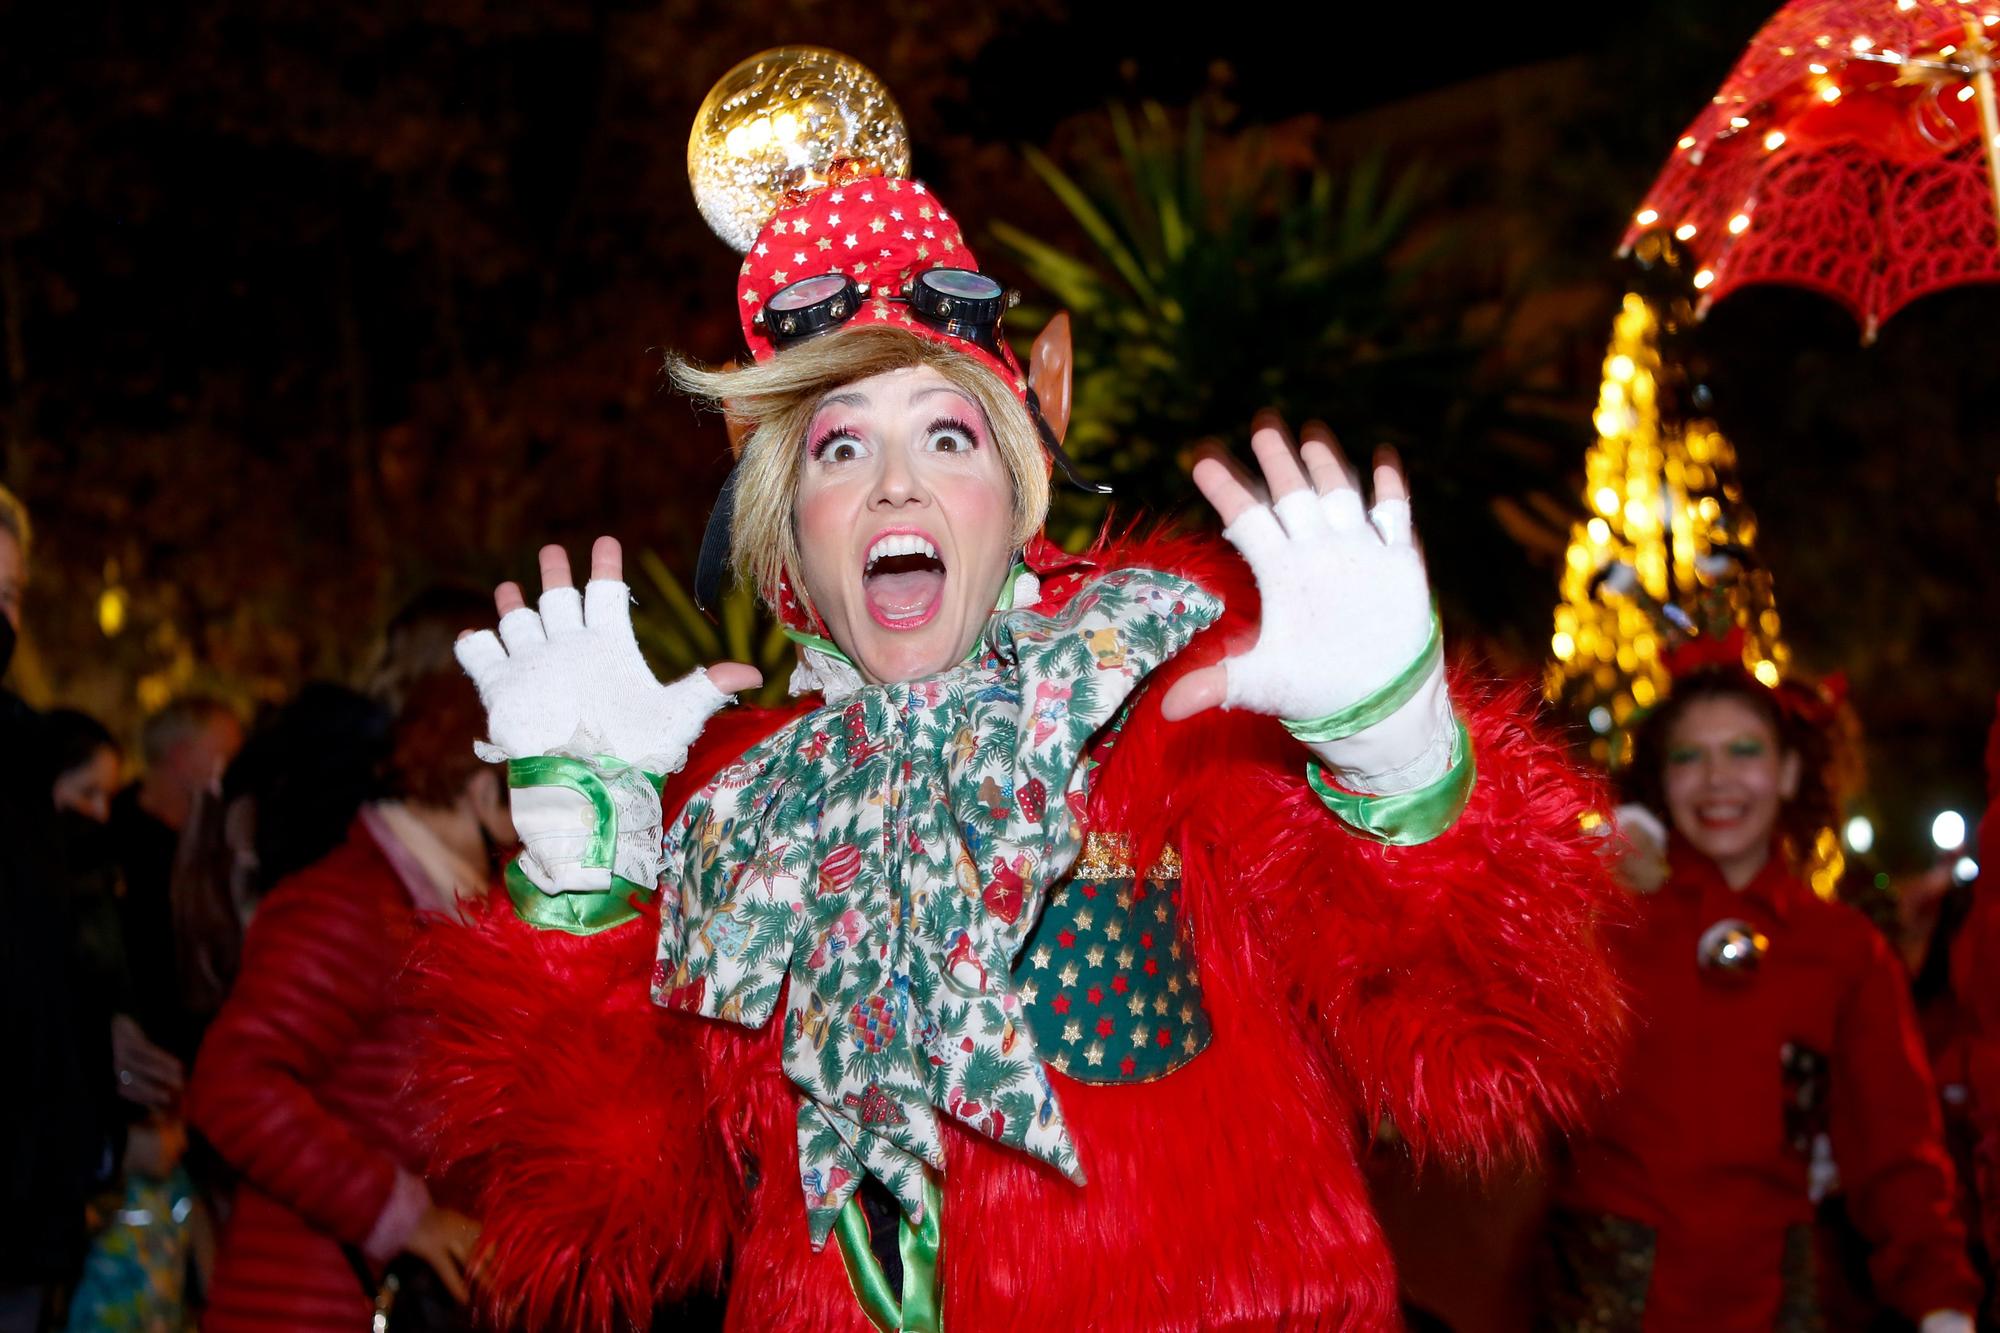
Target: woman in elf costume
1051	961
1768	1026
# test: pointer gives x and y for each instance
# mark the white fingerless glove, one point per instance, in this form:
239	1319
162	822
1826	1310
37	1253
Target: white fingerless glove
1946	1321
569	681
1346	610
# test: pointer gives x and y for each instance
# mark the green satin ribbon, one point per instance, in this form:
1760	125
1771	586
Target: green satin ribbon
1380	705
919	1308
1406	818
572	913
556	770
575	913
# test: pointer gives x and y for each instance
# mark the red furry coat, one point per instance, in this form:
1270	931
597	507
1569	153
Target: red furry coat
621	1154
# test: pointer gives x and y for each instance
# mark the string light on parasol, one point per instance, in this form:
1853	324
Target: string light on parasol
1858	143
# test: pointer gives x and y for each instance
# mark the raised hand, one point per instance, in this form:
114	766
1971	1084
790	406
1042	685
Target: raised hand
569	680
1346	606
569	676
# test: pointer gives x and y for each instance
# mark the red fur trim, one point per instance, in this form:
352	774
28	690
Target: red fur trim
569	1112
1459	987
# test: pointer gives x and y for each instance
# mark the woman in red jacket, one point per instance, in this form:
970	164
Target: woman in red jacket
1766	1019
298	1082
1030	974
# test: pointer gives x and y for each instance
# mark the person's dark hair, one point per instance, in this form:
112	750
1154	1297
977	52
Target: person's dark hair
431	756
1815	807
309	765
71	738
306	769
418	639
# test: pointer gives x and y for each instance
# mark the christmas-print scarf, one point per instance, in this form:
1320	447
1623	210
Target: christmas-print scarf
889	853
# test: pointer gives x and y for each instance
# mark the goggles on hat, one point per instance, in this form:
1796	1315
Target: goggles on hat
960	302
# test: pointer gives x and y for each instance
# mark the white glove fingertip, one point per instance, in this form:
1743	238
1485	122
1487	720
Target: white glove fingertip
1342	509
607	604
1256	534
1300	512
481	655
562	612
1392	520
521	631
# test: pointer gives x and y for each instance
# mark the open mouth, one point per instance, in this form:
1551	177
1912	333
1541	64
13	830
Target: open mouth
903	579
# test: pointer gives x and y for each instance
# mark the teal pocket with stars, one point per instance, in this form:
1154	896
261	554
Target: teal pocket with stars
1113	994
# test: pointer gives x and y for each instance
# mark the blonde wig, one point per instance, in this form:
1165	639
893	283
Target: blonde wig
775	400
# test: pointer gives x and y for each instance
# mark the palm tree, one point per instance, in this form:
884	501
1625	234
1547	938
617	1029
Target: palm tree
1216	280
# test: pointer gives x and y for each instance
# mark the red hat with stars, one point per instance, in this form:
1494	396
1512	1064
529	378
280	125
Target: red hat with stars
880	231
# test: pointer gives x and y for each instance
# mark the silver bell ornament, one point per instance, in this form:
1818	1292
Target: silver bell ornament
1732	947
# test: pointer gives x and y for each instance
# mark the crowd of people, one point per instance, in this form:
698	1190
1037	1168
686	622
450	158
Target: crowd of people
1039	994
204	1125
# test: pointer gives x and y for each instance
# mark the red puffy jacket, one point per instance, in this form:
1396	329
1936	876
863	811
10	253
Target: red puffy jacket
297	1085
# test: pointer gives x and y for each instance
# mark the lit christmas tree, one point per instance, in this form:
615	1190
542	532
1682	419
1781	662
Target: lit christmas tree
1669	551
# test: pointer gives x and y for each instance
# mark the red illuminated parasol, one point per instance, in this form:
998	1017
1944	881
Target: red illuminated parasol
1854	150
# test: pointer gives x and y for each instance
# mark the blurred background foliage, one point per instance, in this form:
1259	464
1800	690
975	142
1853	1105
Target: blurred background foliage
1222	276
303	307
677	637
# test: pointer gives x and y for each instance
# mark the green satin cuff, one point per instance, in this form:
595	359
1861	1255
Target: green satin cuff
1380	705
572	913
918	1309
575	913
1405	818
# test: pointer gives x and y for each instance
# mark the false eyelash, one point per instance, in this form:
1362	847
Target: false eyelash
821	445
953	423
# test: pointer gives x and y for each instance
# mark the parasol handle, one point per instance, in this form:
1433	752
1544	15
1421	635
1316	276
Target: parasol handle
1981	51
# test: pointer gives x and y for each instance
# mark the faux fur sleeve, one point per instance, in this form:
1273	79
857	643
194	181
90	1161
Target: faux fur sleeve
1458	988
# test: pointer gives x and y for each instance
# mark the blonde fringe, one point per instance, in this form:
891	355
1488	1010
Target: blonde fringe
775	401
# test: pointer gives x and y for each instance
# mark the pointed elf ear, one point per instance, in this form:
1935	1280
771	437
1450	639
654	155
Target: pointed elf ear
1048	372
